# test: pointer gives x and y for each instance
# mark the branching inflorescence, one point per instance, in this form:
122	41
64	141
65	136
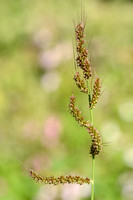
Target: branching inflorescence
84	64
84	82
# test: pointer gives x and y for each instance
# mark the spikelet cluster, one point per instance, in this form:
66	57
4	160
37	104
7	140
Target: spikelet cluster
82	53
83	62
59	180
96	145
96	92
80	83
77	114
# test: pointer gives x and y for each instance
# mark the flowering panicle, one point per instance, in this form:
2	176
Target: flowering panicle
80	83
82	52
96	145
96	92
59	180
76	112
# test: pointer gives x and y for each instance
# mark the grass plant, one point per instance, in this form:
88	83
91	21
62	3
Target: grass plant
84	79
25	105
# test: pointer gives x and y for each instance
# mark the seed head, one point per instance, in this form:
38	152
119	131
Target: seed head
82	52
96	145
96	92
59	180
80	83
77	114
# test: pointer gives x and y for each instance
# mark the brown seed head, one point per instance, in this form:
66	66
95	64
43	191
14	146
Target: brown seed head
76	112
82	52
96	146
96	92
59	180
80	83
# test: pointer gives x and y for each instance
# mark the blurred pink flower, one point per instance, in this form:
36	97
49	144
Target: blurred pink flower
39	162
70	192
47	193
42	38
53	57
52	129
50	81
75	192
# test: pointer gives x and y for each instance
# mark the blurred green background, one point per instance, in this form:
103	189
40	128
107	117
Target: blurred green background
36	72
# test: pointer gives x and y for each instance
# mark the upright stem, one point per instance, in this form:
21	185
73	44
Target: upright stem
93	163
93	157
91	116
93	175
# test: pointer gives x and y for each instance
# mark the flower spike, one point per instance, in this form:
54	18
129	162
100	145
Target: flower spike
82	52
96	145
59	180
77	114
96	92
80	83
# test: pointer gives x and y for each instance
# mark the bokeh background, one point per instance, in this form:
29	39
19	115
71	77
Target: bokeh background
36	72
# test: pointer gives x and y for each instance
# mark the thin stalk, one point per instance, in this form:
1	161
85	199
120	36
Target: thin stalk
93	175
93	158
93	163
91	116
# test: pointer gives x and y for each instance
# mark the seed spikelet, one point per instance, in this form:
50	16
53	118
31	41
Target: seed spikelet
96	145
96	92
80	83
77	114
59	180
82	52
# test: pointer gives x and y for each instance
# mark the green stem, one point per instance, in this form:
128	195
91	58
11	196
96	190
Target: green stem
93	175
93	158
91	116
93	162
